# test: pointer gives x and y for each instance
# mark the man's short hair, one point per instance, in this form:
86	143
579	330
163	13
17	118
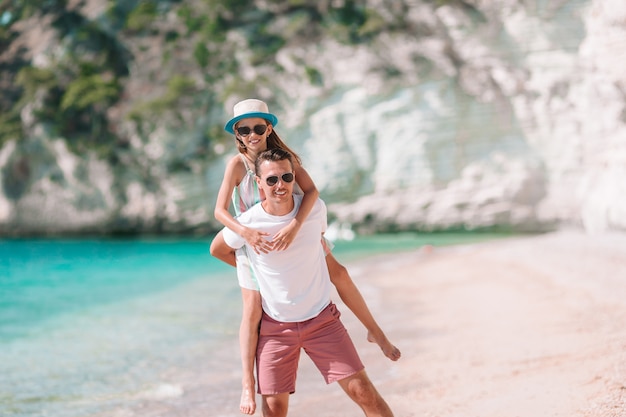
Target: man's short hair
276	154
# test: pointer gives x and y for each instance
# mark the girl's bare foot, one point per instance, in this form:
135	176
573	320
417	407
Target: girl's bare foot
247	405
386	346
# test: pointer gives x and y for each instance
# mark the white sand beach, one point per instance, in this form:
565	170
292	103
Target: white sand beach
522	327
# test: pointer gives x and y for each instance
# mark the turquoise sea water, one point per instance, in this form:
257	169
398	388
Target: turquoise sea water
104	327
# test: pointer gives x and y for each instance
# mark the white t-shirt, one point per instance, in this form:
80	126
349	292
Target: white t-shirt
294	283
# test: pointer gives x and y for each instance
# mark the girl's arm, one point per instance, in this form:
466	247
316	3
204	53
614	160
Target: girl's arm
232	176
287	234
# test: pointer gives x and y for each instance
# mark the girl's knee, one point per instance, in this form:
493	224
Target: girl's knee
252	312
335	269
252	309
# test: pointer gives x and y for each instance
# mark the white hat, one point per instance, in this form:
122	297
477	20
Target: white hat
250	108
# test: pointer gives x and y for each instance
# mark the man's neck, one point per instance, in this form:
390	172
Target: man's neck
278	208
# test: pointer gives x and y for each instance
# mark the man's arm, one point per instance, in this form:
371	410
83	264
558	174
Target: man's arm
223	252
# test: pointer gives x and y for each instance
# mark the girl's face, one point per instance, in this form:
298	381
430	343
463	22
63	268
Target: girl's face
253	134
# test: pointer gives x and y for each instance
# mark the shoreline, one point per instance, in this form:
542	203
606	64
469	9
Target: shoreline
528	326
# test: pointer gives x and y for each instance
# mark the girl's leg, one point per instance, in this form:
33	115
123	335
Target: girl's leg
248	338
352	298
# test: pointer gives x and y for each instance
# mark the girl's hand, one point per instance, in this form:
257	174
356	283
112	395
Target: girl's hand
286	235
257	240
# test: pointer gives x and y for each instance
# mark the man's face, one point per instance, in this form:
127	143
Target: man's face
274	180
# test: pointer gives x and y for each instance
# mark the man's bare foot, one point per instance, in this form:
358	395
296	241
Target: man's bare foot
386	346
248	401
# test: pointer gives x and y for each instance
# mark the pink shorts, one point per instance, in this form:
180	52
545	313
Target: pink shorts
324	339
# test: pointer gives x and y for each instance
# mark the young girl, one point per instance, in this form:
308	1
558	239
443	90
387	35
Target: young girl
253	127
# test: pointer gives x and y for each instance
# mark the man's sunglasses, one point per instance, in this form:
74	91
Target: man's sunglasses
245	130
273	179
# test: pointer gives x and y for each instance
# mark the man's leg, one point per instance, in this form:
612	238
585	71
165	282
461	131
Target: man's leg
276	405
278	354
328	344
362	391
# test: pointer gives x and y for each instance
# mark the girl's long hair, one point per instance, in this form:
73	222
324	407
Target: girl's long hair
273	141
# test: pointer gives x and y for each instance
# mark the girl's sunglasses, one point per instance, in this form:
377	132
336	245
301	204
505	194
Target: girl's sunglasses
245	130
273	179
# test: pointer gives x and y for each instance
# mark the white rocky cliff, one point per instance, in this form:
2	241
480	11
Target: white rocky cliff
510	116
525	127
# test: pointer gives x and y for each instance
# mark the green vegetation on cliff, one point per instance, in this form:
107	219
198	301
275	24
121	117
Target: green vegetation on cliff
94	75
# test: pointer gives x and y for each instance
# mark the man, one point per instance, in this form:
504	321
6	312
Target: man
295	291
